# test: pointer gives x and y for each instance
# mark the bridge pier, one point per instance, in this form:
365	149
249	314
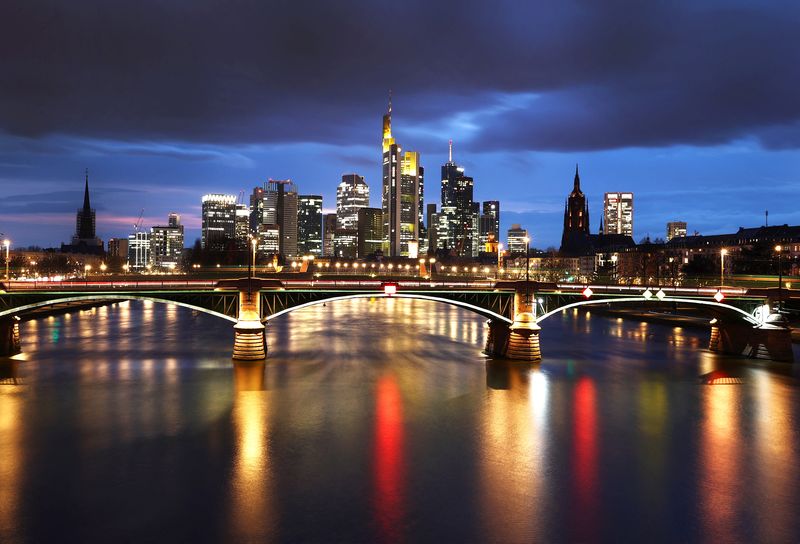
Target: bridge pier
249	342
772	340
523	342
9	336
497	335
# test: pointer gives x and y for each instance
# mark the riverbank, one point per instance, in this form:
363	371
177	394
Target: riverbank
674	319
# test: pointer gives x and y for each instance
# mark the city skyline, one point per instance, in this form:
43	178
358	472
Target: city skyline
604	102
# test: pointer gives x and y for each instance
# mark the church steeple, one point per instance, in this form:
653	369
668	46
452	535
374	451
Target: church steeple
576	182
86	207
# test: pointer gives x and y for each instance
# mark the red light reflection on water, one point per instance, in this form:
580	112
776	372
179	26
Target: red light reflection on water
388	462
584	460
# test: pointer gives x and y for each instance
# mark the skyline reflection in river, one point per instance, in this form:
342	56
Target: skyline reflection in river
380	421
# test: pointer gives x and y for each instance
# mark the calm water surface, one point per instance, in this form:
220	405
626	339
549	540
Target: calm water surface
380	421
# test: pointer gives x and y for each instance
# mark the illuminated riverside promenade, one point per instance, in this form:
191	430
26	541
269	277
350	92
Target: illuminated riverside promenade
626	431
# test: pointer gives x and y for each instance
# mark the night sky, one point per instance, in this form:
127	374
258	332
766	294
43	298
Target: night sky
696	109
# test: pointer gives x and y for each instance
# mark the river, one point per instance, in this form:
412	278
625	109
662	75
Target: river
381	421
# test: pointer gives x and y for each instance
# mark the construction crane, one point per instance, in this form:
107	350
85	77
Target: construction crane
138	224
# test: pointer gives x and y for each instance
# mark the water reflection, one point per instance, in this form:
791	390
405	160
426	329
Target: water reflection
380	421
389	461
252	507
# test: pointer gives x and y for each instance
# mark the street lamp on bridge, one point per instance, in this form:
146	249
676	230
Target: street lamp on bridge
7	244
722	253
527	241
779	250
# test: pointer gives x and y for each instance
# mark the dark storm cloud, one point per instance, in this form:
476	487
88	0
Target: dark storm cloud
605	74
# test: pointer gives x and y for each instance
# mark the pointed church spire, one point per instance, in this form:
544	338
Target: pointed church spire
86	205
450	159
577	179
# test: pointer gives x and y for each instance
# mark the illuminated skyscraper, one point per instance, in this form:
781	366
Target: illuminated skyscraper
280	208
166	243
516	240
618	213
218	220
328	234
309	224
352	194
370	231
242	225
490	222
401	195
458	210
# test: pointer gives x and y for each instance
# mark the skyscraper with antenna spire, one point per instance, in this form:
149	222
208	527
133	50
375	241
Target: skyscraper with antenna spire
401	194
458	217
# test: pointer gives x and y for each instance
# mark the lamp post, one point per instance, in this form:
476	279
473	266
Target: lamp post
722	253
779	250
499	259
527	241
614	267
7	244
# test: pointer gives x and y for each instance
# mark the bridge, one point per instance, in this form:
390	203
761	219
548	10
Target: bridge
740	319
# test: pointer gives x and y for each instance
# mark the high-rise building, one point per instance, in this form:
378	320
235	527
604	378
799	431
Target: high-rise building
280	208
241	227
309	224
575	237
401	195
352	194
345	243
676	229
118	248
457	209
139	250
256	209
218	220
328	234
490	222
432	220
269	239
85	241
370	231
618	213
166	243
516	240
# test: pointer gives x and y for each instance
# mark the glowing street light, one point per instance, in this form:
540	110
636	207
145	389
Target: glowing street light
7	244
778	250
722	253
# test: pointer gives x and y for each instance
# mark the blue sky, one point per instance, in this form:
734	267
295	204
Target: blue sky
693	107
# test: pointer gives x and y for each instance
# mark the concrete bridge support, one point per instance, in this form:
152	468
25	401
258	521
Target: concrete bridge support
9	336
249	342
772	341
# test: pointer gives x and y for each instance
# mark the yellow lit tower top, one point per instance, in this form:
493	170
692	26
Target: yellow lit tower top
387	126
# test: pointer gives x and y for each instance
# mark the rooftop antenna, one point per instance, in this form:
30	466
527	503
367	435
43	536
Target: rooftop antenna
390	101
451	151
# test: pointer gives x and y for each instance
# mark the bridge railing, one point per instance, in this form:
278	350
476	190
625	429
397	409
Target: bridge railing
83	285
697	291
378	284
